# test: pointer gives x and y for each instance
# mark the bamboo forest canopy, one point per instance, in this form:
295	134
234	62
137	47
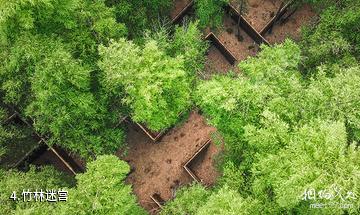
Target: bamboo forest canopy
155	77
288	118
284	133
101	190
54	70
147	75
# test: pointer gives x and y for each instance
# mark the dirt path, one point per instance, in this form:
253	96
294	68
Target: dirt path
178	6
242	48
203	165
216	63
259	12
157	167
291	28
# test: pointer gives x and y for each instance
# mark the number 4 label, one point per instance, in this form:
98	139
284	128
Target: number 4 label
13	196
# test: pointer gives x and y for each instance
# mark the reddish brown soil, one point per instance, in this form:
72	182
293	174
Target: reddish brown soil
292	27
50	158
178	6
259	12
241	49
158	167
203	165
153	134
215	63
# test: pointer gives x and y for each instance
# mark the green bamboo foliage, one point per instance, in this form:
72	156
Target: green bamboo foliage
34	179
156	86
64	109
210	12
285	134
102	190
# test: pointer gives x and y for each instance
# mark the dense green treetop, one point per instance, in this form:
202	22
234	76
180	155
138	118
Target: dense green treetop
210	12
197	200
188	42
234	102
273	83
4	134
46	179
157	87
64	108
18	66
335	39
82	24
317	156
187	201
139	15
35	79
101	190
284	133
226	201
65	97
39	16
